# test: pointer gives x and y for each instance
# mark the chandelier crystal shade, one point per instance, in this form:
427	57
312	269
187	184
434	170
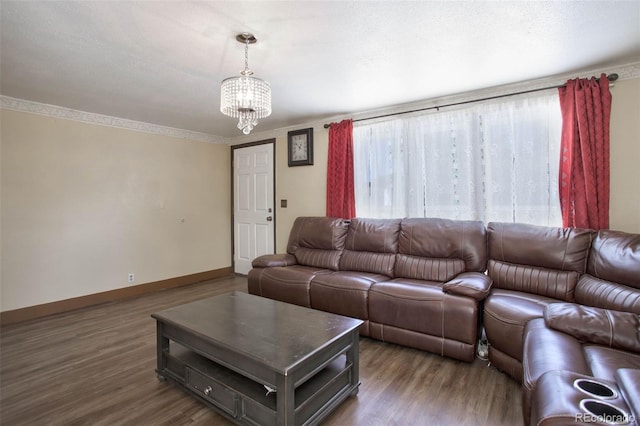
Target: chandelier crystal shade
245	97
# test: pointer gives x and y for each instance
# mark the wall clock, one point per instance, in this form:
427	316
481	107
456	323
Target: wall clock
300	147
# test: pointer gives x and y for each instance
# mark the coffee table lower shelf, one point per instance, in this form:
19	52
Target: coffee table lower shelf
245	401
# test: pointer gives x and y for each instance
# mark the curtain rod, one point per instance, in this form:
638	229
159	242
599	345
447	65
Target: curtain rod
610	77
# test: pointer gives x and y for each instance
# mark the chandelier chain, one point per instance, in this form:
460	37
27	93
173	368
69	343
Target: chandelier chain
246	55
246	70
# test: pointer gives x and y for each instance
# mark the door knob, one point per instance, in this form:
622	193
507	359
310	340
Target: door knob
269	218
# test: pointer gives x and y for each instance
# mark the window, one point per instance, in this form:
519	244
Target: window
493	161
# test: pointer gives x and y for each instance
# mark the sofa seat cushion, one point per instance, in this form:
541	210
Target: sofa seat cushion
423	307
344	292
506	312
287	284
605	361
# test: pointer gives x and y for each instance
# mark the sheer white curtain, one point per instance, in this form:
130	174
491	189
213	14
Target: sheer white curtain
494	161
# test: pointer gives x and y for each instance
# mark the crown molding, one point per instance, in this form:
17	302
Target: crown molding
626	72
32	107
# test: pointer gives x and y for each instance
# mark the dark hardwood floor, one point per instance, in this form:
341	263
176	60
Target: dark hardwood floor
95	366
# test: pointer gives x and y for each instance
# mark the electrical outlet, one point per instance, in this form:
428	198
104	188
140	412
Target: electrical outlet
131	277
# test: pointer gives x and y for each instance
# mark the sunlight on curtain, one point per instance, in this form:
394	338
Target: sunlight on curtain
493	161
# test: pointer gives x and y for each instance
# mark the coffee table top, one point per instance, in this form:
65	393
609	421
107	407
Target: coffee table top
279	335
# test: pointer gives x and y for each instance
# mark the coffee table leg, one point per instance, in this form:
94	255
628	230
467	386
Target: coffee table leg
285	401
353	358
162	348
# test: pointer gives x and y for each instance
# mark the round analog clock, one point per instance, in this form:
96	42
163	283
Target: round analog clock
301	147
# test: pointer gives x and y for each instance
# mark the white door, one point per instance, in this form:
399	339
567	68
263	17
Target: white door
253	205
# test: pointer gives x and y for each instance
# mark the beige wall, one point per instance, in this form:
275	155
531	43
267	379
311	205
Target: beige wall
625	156
83	205
304	187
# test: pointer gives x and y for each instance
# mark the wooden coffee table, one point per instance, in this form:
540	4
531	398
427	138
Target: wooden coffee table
257	360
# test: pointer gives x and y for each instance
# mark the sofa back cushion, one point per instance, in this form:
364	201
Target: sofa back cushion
556	284
592	291
613	273
371	246
615	256
439	249
318	241
541	260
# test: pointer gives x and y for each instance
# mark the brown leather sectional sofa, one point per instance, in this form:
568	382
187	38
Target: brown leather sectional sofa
415	282
561	307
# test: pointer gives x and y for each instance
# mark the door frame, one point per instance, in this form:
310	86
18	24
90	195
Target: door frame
233	195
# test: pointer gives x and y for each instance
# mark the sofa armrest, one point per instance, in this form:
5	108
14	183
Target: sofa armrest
470	284
605	327
273	260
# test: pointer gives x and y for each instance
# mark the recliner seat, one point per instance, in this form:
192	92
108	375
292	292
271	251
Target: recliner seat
368	258
531	267
314	248
422	306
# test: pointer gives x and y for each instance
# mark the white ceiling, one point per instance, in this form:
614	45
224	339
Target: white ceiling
162	62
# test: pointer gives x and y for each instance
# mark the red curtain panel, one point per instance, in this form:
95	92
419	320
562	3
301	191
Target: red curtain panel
584	155
340	189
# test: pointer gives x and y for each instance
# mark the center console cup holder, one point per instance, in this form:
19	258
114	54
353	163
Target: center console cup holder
605	412
595	389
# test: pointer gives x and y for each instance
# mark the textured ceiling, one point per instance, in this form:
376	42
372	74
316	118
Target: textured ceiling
162	62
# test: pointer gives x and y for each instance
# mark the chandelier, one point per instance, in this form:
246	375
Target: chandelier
246	98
